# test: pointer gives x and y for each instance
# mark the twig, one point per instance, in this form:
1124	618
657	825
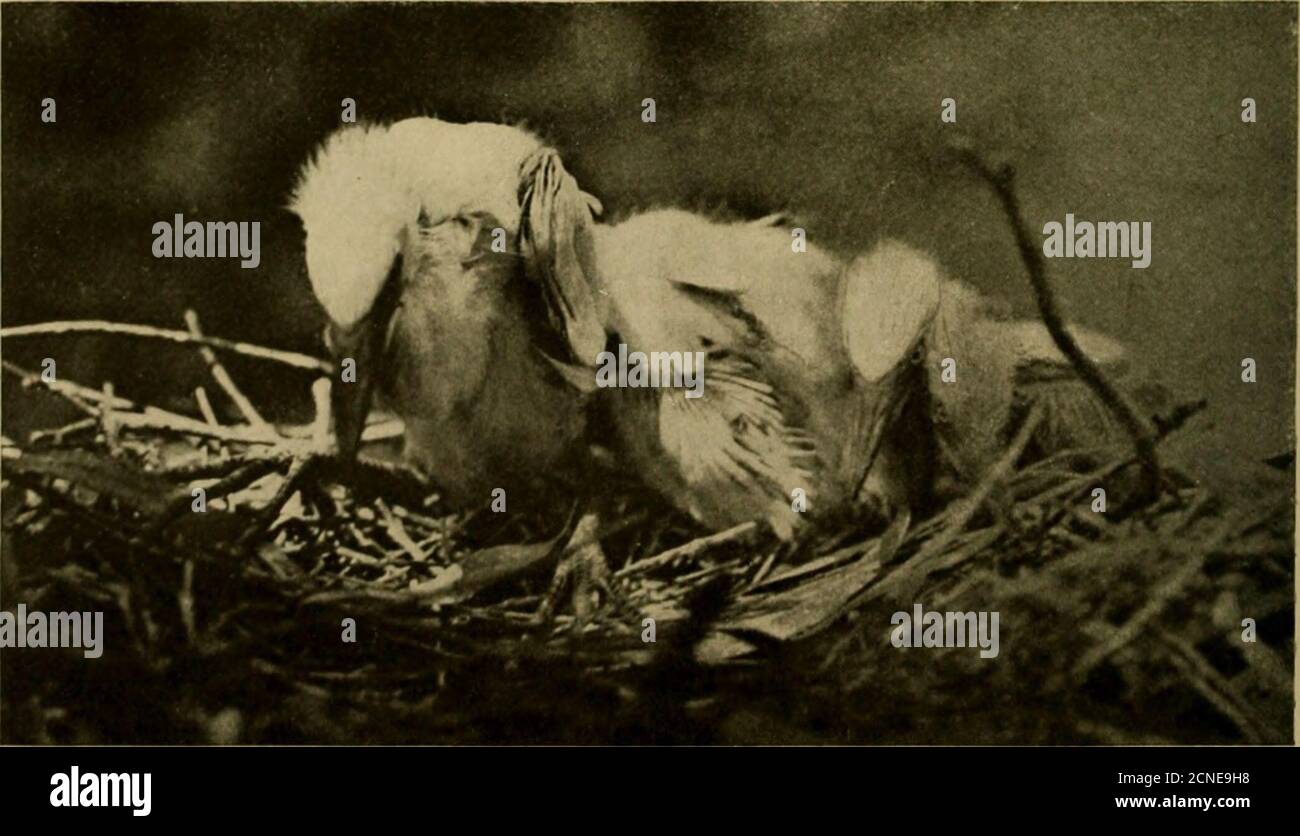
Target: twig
320	425
689	550
397	532
59	434
1160	598
1144	438
763	570
1211	685
154	418
205	407
241	477
80	396
98	326
211	469
223	378
267	516
107	418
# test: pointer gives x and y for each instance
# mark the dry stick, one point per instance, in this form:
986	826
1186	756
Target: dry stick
60	433
1144	438
152	418
398	533
77	395
96	326
212	469
223	378
107	418
381	430
205	407
320	425
1161	597
1217	690
688	550
267	516
160	420
241	477
82	396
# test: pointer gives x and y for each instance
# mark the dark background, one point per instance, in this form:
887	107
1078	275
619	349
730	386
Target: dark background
1112	112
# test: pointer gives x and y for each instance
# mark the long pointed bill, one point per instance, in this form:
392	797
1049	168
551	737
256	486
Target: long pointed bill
360	352
354	382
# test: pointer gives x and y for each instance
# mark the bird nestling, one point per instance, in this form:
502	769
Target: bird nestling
399	224
822	394
828	377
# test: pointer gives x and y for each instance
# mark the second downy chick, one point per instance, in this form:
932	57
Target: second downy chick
824	393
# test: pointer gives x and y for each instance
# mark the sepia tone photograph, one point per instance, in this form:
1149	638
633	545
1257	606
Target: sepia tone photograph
698	373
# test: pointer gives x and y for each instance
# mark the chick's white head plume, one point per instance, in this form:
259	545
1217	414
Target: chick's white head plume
353	205
367	185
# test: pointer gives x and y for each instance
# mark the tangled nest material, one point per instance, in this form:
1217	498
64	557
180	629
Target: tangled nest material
227	626
1112	631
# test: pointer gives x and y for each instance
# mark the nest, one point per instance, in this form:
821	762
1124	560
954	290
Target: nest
301	606
232	625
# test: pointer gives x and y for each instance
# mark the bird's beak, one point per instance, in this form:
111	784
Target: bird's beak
365	344
349	398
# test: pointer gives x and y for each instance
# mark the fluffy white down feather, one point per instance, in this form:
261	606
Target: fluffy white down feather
367	183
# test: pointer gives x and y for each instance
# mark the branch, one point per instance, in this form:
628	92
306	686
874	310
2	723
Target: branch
1144	438
152	417
97	326
81	396
223	378
687	551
